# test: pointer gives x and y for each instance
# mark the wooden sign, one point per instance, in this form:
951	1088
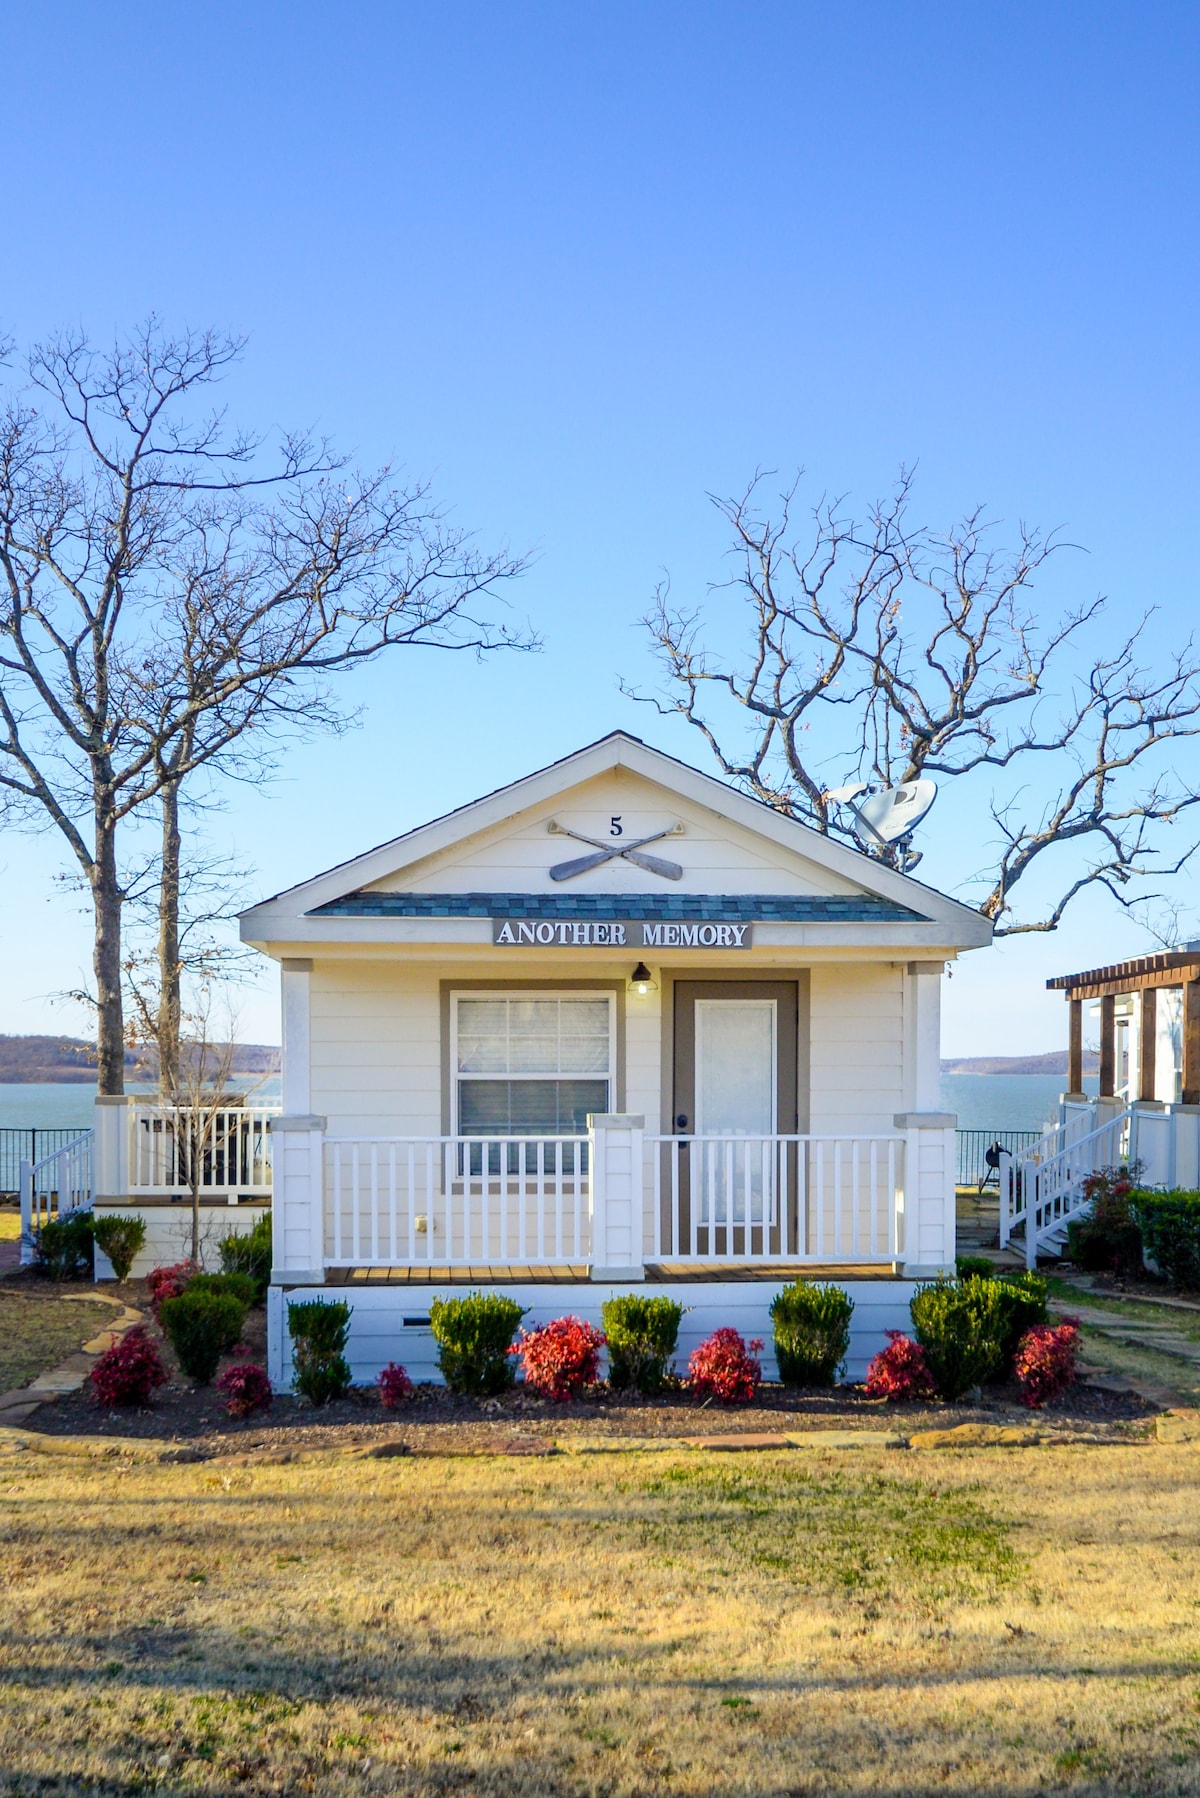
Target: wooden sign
619	933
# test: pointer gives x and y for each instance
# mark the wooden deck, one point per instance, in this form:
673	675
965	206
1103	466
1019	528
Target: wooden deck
492	1274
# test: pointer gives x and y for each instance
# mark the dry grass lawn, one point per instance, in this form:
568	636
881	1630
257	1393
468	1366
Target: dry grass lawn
38	1332
857	1622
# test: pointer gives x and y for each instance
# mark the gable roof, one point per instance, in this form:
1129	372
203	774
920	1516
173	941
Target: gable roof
339	890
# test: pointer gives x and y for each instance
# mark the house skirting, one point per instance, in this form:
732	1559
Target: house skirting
391	1322
169	1230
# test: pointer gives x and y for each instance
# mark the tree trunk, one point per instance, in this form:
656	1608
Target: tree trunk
107	900
169	996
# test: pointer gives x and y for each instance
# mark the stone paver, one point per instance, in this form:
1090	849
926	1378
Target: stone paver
977	1435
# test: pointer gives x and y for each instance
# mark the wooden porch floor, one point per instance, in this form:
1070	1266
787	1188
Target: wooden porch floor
663	1273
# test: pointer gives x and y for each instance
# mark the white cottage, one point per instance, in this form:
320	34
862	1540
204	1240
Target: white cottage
614	1023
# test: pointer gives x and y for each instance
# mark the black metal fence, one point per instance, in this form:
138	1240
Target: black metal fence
973	1146
18	1144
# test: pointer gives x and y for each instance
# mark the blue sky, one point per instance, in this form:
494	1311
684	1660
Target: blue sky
583	264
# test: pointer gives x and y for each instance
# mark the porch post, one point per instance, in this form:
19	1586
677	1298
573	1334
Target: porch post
616	1195
297	1200
110	1148
1108	1046
1148	1044
926	1087
295	979
930	1166
1191	1043
1075	1049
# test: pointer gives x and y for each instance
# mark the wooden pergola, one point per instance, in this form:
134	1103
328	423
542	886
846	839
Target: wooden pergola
1144	975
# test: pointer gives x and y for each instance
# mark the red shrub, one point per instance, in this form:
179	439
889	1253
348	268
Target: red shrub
394	1386
248	1387
168	1282
725	1366
1045	1361
128	1372
561	1358
899	1371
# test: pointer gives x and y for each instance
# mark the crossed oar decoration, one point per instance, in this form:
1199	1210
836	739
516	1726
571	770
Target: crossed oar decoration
631	852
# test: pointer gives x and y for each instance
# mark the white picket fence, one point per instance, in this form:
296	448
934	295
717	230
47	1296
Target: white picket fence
455	1201
1042	1188
54	1187
227	1152
798	1199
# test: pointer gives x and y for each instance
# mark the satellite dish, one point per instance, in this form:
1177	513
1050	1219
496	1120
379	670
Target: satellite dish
886	817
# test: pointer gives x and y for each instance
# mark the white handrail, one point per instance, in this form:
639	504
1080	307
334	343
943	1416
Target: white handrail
57	1185
1042	1188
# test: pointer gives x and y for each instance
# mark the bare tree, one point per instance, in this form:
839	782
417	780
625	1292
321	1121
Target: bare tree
169	588
199	1116
885	651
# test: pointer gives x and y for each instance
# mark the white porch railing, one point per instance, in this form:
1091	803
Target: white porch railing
445	1201
228	1151
53	1187
1041	1189
735	1199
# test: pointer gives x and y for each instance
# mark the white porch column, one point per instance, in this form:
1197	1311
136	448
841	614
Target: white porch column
927	1034
110	1149
297	1200
295	978
616	1195
930	1166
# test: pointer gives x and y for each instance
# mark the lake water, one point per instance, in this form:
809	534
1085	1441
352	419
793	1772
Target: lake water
982	1102
61	1107
1005	1101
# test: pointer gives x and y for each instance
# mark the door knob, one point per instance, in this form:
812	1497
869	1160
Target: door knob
681	1121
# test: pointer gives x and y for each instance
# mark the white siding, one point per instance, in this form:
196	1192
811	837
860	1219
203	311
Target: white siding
376	1049
378	1333
716	855
857	1048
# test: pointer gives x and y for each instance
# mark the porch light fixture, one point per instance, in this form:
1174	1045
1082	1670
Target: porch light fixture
641	981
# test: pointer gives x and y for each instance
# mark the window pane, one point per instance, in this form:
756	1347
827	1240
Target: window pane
514	1107
584	1054
533	1036
583	1017
483	1036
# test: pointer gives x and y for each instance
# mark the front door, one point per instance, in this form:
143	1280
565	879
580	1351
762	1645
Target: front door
735	1090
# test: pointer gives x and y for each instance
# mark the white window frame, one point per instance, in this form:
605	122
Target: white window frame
533	992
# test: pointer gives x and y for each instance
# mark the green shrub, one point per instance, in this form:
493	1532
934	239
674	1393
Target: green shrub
643	1334
201	1326
474	1335
319	1330
242	1286
120	1238
63	1247
966	1265
1169	1225
1022	1301
1107	1240
961	1327
812	1332
249	1252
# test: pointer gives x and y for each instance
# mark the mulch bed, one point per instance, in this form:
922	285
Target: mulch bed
435	1420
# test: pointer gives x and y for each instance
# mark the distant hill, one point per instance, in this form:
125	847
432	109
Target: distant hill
70	1061
1053	1063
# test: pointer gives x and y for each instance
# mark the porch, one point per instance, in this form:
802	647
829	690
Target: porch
618	1203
